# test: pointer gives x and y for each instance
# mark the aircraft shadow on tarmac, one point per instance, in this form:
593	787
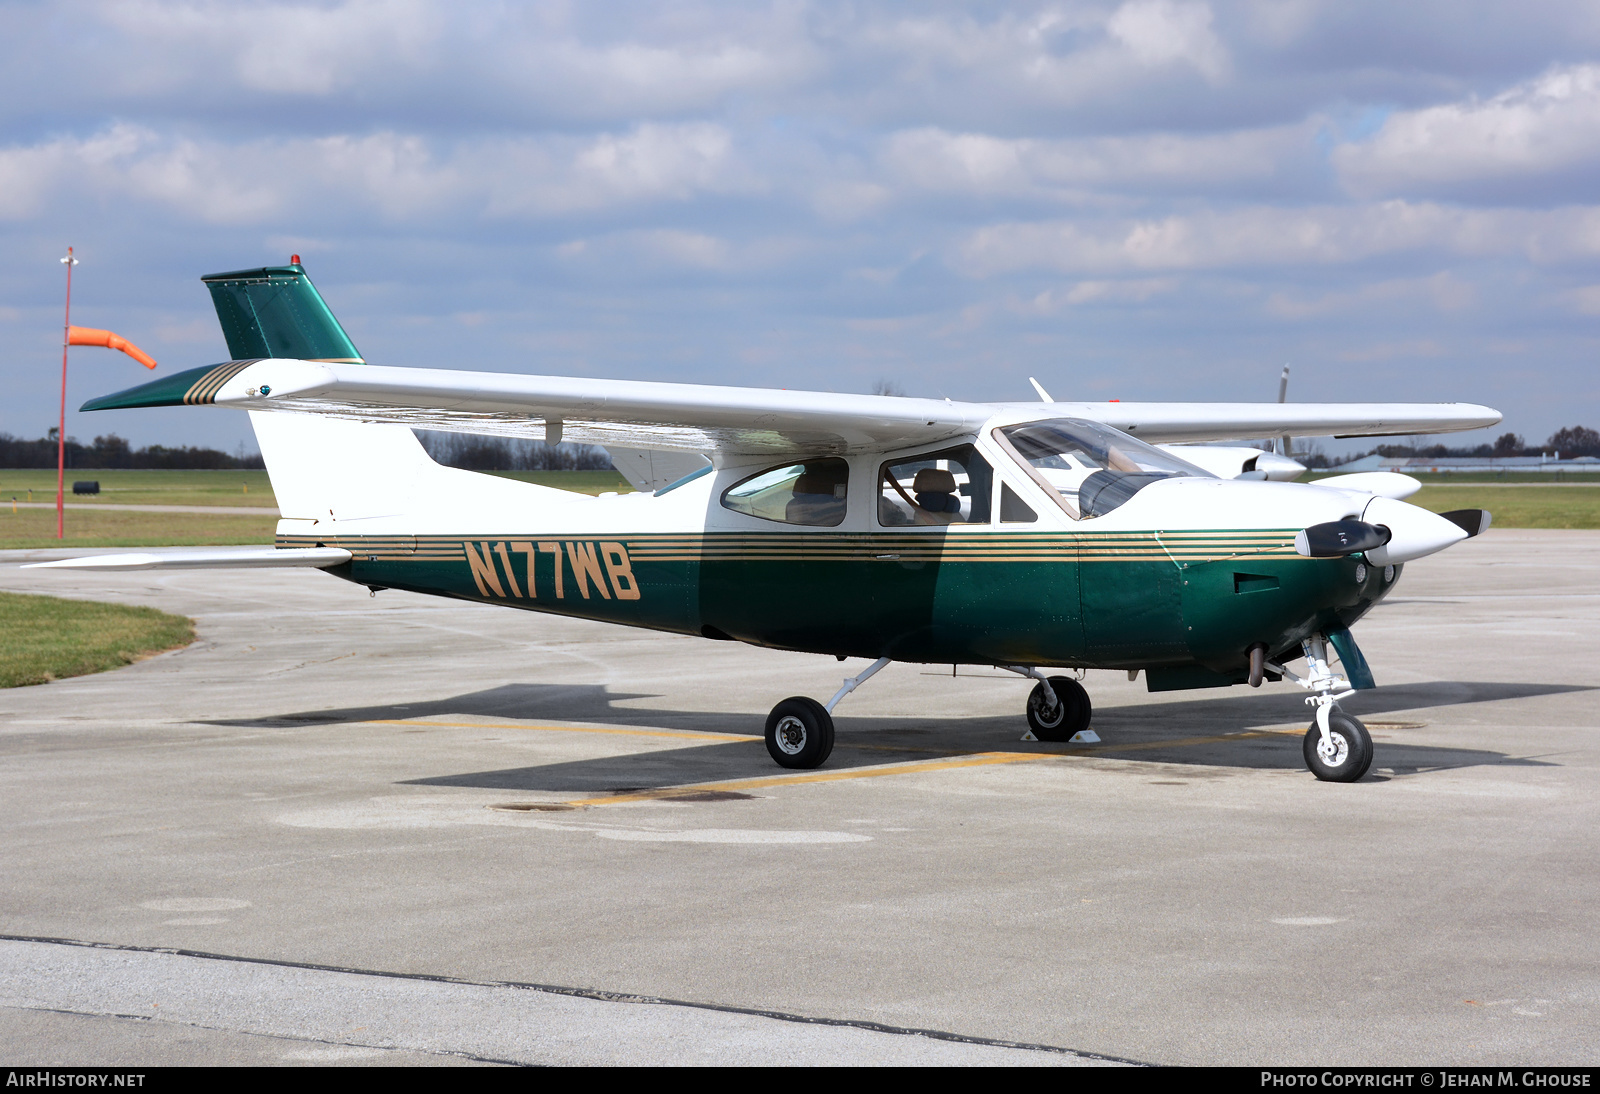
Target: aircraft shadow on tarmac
1199	731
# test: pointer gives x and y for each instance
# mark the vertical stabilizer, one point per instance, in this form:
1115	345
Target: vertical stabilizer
277	312
325	469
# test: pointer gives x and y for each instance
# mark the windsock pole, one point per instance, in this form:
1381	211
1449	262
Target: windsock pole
61	431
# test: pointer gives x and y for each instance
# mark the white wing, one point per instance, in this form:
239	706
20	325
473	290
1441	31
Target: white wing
1170	422
623	413
741	420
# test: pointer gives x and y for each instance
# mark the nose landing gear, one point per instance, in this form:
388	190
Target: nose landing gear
1337	747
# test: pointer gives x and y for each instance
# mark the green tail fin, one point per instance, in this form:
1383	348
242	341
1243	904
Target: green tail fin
276	312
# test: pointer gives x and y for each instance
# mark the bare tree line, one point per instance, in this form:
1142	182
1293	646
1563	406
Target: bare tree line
474	452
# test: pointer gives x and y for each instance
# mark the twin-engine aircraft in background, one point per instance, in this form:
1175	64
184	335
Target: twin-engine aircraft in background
1017	535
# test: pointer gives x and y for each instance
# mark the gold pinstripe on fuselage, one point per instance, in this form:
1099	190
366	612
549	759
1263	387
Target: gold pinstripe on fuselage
942	545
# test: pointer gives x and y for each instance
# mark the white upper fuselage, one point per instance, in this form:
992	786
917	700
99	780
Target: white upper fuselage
343	479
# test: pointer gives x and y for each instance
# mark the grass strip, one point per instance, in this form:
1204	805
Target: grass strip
47	638
33	528
1527	507
229	488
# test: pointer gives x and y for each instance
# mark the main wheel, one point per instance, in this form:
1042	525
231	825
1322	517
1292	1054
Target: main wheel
1350	755
799	733
1071	715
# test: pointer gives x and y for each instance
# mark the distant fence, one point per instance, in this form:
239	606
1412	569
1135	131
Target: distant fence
1521	465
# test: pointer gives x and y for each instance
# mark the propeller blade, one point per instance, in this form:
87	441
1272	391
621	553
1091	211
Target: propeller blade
1471	521
1338	538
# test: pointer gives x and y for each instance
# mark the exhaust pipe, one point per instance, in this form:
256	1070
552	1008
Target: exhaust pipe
1258	664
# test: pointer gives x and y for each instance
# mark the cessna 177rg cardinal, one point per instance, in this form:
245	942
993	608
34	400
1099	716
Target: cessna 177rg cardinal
1017	535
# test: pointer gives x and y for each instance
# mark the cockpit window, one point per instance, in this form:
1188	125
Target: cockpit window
800	493
1091	467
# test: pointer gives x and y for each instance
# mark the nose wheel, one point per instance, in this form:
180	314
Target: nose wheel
1343	754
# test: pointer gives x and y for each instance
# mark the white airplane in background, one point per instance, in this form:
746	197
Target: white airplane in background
1017	535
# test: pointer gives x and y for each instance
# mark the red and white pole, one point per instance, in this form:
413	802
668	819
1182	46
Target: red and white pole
61	431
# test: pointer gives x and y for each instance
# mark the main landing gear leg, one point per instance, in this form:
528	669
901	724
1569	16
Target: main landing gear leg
1337	747
800	730
1058	707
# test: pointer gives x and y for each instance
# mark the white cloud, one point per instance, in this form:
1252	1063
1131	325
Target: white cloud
1128	291
522	58
1162	32
842	201
390	176
935	159
676	248
1076	56
656	161
128	162
1548	124
1443	292
1585	299
1266	236
286	49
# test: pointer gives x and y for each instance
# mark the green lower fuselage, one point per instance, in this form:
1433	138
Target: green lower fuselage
1187	606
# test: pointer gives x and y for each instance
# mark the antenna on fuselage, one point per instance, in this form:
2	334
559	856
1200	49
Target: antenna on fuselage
1044	396
1283	397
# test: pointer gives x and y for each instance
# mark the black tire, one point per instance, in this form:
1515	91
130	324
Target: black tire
1073	710
1353	749
800	733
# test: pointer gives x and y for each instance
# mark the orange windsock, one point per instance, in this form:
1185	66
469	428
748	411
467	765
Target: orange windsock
88	336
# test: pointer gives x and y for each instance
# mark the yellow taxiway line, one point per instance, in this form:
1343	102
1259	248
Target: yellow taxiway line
980	759
955	761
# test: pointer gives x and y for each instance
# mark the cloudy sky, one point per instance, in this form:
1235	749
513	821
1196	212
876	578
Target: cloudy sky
1153	199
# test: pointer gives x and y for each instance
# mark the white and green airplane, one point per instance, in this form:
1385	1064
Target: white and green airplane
1016	535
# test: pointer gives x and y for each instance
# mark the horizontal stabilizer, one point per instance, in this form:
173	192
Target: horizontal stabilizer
211	558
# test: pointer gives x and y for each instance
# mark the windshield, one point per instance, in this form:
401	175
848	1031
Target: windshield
1091	467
